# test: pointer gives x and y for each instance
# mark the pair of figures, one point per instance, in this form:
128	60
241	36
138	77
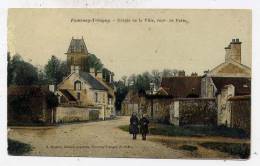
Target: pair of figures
135	122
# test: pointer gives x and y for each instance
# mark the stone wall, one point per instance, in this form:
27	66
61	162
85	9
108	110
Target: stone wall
185	111
241	113
70	114
198	112
193	112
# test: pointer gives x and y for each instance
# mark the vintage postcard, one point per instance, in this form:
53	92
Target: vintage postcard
131	83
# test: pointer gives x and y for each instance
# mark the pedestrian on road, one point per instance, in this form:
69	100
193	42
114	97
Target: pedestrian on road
133	128
144	122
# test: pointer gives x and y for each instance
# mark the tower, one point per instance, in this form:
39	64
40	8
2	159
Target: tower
77	54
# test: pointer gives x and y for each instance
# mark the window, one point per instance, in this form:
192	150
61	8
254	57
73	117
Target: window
104	98
96	97
72	49
109	101
82	49
78	96
77	85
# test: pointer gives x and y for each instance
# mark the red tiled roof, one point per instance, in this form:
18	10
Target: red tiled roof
181	87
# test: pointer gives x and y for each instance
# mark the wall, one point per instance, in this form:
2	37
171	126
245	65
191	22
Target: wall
193	111
161	110
69	114
241	113
27	110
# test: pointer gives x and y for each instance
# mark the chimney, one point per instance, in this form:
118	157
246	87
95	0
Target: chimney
110	78
77	69
92	72
227	53
99	75
72	69
235	50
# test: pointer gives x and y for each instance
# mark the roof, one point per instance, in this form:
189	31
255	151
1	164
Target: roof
94	83
77	46
31	90
68	95
181	87
242	85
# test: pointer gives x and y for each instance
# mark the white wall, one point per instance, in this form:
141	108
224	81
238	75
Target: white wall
69	114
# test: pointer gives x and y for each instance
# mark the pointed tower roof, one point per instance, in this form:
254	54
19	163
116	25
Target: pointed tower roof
77	46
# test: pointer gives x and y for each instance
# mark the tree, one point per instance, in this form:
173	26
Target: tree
124	78
21	72
55	70
121	92
156	77
94	62
107	75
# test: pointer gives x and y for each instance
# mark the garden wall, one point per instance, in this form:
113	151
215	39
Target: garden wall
193	112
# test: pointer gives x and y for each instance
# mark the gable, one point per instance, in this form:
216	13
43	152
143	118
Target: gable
231	69
83	77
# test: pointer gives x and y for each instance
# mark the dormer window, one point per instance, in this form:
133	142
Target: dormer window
77	85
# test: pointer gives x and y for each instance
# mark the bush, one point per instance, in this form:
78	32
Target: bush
239	149
170	130
17	148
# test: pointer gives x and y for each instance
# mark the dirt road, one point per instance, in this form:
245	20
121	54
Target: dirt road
96	139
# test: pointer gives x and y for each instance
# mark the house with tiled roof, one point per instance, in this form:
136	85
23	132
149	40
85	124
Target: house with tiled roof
82	88
182	86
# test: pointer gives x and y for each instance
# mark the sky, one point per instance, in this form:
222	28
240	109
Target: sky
193	40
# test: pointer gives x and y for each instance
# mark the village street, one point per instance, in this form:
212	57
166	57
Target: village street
102	139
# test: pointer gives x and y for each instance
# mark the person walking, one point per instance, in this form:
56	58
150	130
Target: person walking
134	121
144	122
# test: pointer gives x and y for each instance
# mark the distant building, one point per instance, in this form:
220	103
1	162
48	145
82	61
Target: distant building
182	86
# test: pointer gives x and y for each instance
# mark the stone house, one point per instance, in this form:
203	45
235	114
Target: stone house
29	104
85	89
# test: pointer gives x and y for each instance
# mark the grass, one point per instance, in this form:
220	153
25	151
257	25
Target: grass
170	130
239	149
17	148
188	148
